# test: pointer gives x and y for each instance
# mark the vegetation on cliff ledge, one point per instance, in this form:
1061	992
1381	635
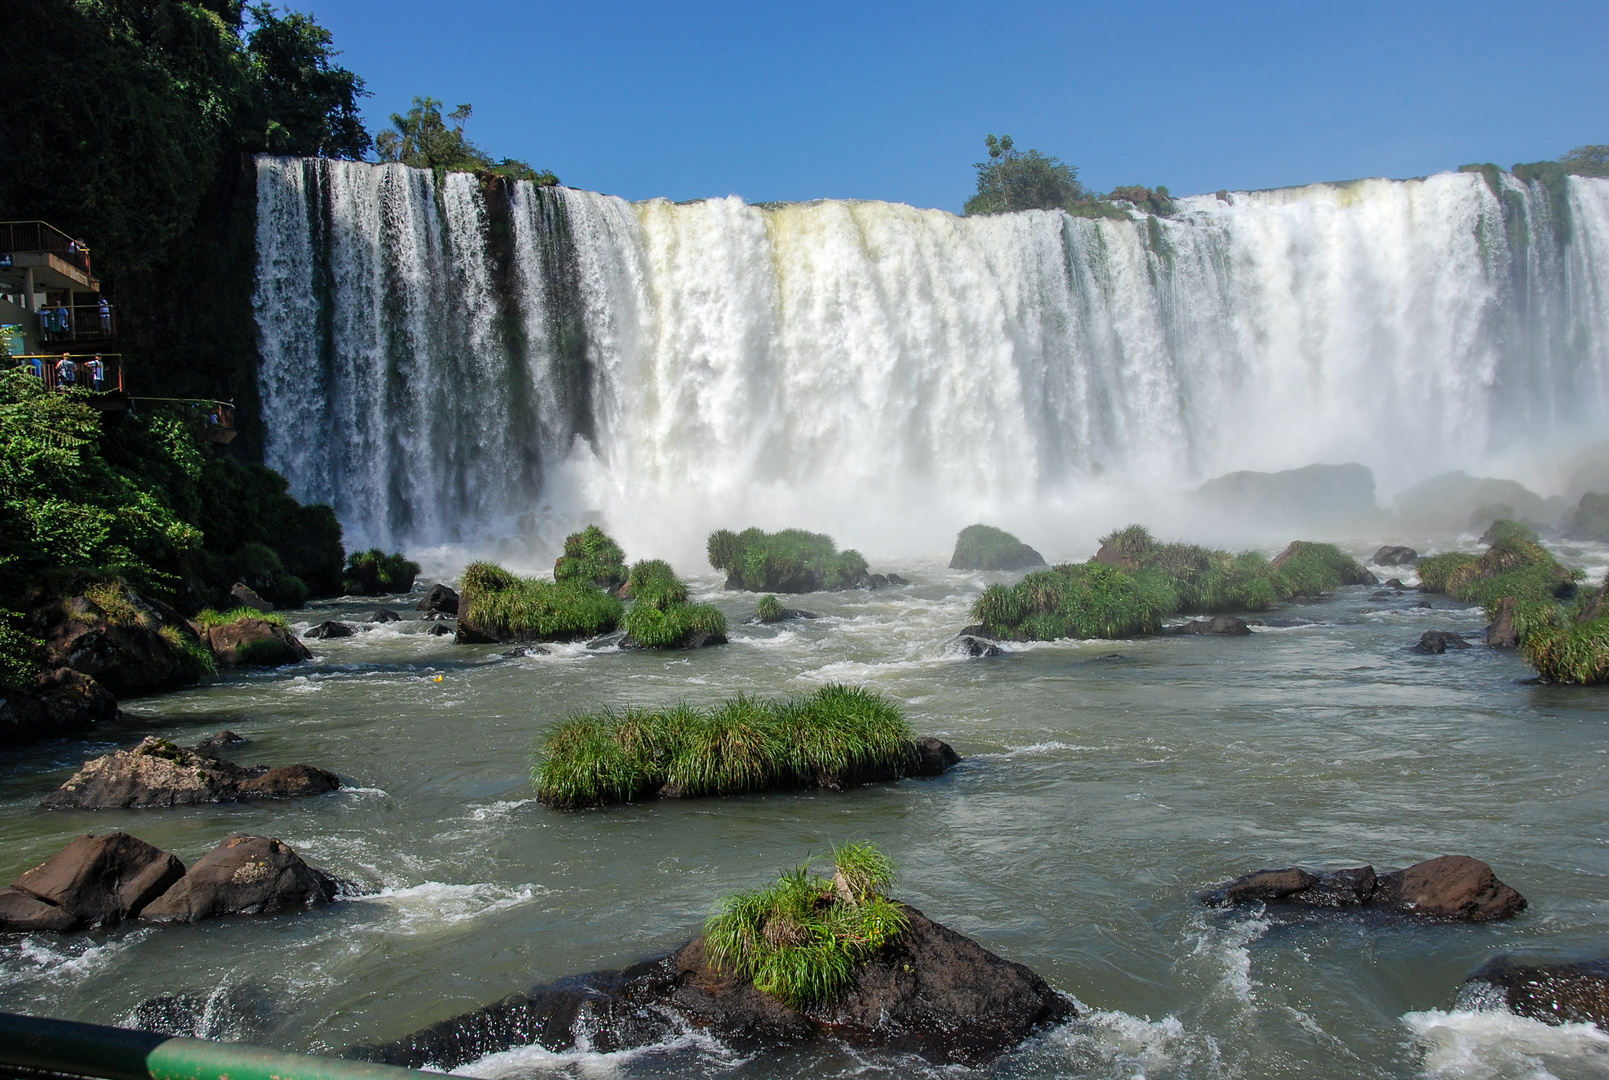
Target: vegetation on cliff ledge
791	561
801	938
836	737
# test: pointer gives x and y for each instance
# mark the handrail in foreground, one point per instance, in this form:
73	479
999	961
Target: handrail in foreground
70	1048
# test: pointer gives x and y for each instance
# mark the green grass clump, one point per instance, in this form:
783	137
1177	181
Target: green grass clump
375	573
652	581
829	739
213	617
801	938
1437	570
791	561
983	547
1078	600
1306	568
660	616
770	610
504	607
1515	565
1576	653
591	557
195	659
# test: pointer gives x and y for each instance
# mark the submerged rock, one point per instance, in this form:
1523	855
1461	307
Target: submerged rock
1395	556
244	875
968	645
787	613
1449	887
331	629
1436	642
527	650
441	600
1220	625
158	773
94	881
1568	993
214	744
931	992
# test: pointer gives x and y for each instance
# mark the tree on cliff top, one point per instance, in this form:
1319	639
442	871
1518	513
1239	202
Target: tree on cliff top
303	104
424	140
1587	161
1013	180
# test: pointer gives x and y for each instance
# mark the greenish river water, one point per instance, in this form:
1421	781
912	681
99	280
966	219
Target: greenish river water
1104	785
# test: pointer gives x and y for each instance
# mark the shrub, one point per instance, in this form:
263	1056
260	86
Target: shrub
591	557
792	560
654	582
833	738
211	617
1570	654
801	938
1437	571
19	661
374	573
260	568
672	626
770	610
504	607
1516	565
1306	568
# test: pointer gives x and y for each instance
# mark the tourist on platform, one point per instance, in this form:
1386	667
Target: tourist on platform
97	373
66	372
37	363
64	318
106	316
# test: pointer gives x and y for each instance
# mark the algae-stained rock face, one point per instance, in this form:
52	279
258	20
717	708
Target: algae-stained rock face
1557	993
1449	887
94	881
249	642
157	773
983	547
245	875
128	644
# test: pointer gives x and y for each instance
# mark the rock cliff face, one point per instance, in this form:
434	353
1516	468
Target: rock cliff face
931	992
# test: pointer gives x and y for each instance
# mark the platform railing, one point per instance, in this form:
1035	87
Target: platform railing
34	1045
41	236
82	322
80	375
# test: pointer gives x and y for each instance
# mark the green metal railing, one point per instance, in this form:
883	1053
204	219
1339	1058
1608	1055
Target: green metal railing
68	1048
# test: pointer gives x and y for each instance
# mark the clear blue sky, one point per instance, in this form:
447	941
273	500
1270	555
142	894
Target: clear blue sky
891	101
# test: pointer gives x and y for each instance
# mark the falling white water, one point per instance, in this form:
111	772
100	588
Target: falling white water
439	361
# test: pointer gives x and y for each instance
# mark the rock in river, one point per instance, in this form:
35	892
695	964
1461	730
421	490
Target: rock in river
440	600
331	629
1436	642
1449	887
1218	625
244	875
254	643
1395	555
157	773
1569	993
931	992
93	881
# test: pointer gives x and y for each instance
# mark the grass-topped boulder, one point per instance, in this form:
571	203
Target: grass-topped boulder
497	606
246	637
376	573
836	738
984	547
1135	582
591	557
815	955
660	615
790	561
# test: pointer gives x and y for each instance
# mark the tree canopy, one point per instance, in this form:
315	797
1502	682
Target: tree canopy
1587	161
423	139
1013	180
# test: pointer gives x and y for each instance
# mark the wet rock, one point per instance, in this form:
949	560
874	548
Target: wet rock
968	645
1395	584
895	579
1395	556
244	875
1568	993
1423	604
1436	642
158	773
228	1013
254	643
441	600
1220	625
331	629
1450	887
246	597
527	650
787	613
1501	633
214	745
1111	656
126	643
934	757
441	630
94	881
59	703
385	615
930	992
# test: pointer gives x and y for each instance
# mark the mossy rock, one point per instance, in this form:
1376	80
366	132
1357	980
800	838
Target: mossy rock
789	561
984	547
497	606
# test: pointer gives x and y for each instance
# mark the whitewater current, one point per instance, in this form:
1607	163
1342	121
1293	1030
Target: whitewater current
440	358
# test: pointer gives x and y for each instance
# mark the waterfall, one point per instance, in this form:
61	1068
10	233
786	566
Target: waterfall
470	359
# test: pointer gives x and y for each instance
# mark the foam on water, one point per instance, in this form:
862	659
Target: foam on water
431	905
1494	1044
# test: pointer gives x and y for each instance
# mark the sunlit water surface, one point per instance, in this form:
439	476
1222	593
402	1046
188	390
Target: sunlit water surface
1104	785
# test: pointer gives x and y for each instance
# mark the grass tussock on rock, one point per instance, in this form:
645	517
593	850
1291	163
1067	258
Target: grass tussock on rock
790	561
1135	583
661	616
984	547
376	573
801	938
497	606
591	557
835	738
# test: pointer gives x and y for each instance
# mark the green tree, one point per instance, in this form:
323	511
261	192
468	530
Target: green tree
301	103
1013	180
424	140
1587	161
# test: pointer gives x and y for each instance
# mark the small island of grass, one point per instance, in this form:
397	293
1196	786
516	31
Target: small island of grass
497	606
661	616
984	547
836	738
790	561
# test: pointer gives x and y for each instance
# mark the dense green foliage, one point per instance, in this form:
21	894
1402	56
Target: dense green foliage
984	547
422	139
591	557
1570	651
792	560
500	604
829	739
375	573
801	938
660	616
770	610
1013	180
1587	161
1136	583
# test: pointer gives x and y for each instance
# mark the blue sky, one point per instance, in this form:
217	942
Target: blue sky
892	101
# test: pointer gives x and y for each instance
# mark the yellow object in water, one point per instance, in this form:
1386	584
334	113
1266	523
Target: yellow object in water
435	678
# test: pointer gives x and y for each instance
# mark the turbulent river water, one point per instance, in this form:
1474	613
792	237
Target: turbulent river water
1104	784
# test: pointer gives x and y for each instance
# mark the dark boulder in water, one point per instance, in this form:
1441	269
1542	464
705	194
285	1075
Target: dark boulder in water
441	630
1450	887
94	881
967	645
157	773
931	992
1219	625
253	643
1395	556
527	650
213	745
1436	642
1501	633
385	615
58	703
934	757
440	600
1569	993
244	875
331	629
895	579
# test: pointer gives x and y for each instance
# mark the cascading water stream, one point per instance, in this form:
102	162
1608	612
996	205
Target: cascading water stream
455	361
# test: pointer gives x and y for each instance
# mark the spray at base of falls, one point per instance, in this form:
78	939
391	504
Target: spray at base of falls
480	358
